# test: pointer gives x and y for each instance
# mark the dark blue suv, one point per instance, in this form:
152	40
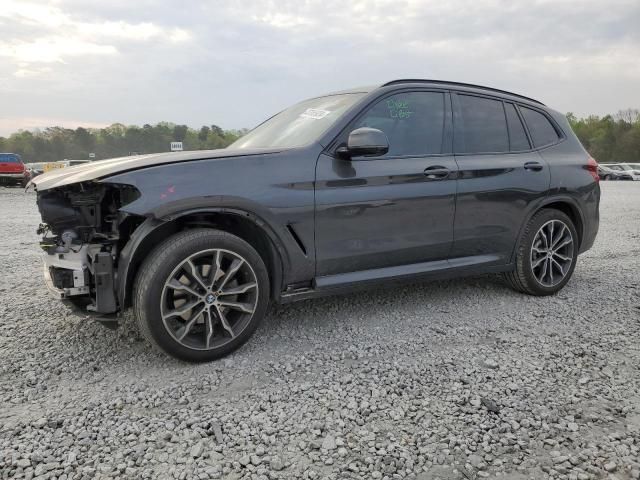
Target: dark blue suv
413	179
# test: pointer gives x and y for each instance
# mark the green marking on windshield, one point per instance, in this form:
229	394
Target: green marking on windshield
399	108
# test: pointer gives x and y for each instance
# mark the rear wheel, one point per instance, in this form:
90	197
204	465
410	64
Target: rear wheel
546	254
607	177
201	294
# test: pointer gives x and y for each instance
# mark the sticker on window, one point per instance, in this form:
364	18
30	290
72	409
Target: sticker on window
399	108
315	113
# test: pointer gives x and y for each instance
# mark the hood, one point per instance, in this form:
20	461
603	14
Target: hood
104	168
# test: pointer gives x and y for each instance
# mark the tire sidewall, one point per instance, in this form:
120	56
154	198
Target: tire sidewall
537	222
172	255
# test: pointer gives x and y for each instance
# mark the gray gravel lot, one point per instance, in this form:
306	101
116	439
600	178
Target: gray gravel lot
460	379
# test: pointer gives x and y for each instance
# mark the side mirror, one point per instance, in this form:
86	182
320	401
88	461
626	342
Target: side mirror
367	142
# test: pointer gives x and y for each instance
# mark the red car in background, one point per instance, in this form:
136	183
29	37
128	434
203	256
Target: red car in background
12	170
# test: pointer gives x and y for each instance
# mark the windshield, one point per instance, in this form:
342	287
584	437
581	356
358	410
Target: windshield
9	158
300	124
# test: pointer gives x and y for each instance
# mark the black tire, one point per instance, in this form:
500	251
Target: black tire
523	278
607	177
159	267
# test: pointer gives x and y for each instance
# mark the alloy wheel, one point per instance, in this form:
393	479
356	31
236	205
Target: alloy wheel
552	253
209	299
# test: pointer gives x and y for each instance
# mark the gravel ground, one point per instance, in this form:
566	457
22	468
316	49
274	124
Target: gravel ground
460	379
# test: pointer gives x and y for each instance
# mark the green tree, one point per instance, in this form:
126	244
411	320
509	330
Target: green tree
204	133
57	143
612	138
180	133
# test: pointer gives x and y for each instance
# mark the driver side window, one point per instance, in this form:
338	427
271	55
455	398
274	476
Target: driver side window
412	121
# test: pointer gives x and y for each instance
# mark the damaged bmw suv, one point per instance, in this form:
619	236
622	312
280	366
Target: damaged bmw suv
413	179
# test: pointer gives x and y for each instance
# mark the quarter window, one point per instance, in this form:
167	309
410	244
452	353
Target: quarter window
517	137
540	128
481	126
413	122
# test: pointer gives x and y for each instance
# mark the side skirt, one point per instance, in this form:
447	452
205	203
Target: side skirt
393	276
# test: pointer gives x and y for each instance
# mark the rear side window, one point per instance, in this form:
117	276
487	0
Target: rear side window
517	137
542	131
481	126
412	121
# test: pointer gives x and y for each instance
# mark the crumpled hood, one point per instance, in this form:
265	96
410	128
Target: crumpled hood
105	168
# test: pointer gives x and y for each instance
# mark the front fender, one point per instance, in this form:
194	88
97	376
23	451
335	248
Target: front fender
162	222
124	276
230	205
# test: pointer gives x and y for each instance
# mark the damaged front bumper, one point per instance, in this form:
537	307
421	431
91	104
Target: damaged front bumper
66	274
85	277
82	235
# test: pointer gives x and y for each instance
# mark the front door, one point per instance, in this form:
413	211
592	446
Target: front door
395	209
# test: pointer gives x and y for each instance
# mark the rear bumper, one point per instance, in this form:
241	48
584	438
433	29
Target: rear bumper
16	177
590	219
589	237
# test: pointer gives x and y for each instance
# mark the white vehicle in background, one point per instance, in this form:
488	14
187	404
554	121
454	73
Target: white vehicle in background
628	171
36	168
606	173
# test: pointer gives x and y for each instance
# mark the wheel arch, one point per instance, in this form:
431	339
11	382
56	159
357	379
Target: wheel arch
566	205
246	225
571	209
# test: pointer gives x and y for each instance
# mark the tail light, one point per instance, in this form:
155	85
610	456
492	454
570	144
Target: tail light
592	167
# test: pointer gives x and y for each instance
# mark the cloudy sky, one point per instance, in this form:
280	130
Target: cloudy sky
232	63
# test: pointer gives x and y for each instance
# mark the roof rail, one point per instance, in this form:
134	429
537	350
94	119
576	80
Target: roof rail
460	84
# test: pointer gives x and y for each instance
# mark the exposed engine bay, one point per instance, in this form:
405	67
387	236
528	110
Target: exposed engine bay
83	233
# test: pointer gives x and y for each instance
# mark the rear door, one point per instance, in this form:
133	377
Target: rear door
499	176
395	209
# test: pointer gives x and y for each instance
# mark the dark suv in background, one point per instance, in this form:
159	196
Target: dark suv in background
411	179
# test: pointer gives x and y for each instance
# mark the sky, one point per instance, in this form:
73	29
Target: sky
233	63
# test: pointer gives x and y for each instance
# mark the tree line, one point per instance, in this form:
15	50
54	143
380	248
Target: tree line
609	139
612	138
57	143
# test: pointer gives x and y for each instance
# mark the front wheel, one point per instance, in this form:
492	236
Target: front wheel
546	254
201	294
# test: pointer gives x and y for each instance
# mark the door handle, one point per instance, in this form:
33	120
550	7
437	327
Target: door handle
437	172
533	166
